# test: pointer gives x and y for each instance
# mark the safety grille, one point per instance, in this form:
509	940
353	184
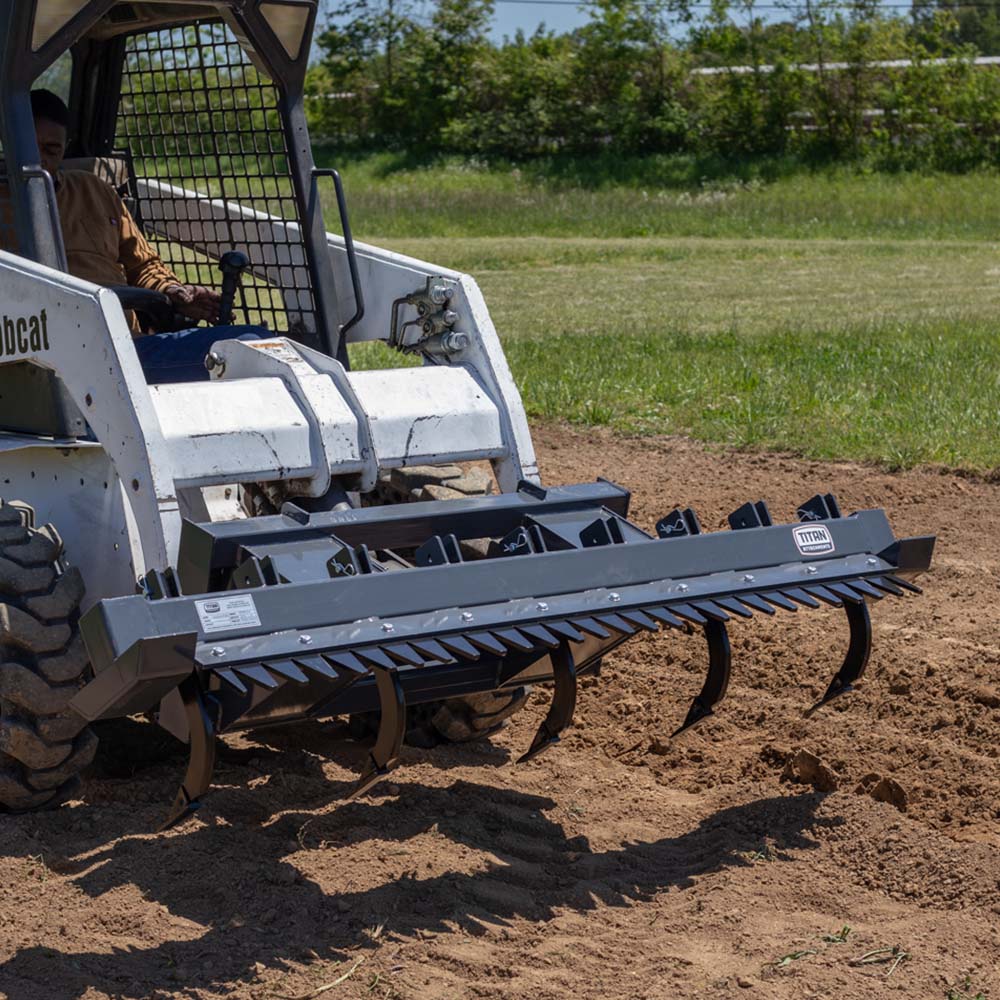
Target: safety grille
202	127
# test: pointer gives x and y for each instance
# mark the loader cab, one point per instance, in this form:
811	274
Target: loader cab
194	112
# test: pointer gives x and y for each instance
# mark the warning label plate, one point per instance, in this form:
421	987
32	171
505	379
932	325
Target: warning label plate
220	614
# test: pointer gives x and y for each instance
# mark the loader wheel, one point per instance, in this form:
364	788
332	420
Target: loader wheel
44	745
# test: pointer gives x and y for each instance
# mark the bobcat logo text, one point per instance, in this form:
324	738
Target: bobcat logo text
24	334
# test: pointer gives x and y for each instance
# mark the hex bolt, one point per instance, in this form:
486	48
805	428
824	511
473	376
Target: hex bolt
388	627
872	561
218	651
683	588
455	341
306	640
748	577
811	569
542	606
450	317
467	616
440	294
614	598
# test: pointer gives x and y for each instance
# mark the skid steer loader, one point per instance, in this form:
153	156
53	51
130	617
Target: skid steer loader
150	591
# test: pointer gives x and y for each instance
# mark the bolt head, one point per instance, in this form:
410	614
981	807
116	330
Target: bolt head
614	598
683	588
748	577
306	640
811	569
388	627
542	606
218	651
467	616
872	561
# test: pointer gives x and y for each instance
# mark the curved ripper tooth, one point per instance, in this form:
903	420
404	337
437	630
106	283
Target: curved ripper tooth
686	611
720	662
711	610
201	759
890	588
592	627
842	590
542	635
780	600
731	604
391	730
488	643
287	669
641	619
514	639
905	584
664	616
755	602
460	646
405	652
827	596
433	649
347	662
258	675
375	656
560	713
858	652
231	679
804	598
863	587
316	665
617	623
566	630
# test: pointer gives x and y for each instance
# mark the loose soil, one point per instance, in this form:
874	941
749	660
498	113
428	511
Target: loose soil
619	865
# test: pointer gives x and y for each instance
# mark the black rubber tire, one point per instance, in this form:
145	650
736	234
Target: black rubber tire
44	745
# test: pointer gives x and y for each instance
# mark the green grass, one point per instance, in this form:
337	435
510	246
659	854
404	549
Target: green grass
393	195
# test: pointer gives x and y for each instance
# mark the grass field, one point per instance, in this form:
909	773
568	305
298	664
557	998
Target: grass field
835	315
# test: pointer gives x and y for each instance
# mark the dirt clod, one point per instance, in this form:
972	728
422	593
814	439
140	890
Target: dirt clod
806	768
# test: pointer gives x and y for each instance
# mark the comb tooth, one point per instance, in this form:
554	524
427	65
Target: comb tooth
617	623
864	587
460	646
671	621
686	611
905	584
287	669
488	643
798	594
348	662
592	627
842	590
434	650
375	655
731	604
231	679
757	603
258	675
641	619
827	596
711	610
890	588
405	652
780	600
514	639
542	634
316	665
566	630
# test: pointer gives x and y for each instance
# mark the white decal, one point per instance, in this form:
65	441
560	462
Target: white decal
220	614
812	539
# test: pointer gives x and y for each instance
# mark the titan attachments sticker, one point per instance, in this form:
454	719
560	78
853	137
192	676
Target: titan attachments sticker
220	614
812	539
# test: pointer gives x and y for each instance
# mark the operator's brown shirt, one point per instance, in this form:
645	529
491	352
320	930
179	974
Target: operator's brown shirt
103	243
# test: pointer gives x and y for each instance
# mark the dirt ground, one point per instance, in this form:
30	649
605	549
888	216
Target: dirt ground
617	866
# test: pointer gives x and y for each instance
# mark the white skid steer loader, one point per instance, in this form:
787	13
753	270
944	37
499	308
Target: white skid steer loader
159	594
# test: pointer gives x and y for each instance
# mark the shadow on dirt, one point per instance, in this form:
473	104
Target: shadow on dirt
230	891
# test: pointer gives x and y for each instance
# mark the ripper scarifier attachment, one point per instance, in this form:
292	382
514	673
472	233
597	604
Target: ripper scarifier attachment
296	615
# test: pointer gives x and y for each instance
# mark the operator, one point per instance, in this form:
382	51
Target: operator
104	245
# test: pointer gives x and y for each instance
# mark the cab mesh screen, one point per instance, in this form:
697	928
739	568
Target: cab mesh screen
212	169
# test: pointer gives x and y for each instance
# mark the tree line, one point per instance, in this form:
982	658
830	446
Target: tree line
736	78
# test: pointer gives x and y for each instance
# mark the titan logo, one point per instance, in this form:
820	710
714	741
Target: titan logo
24	334
812	539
